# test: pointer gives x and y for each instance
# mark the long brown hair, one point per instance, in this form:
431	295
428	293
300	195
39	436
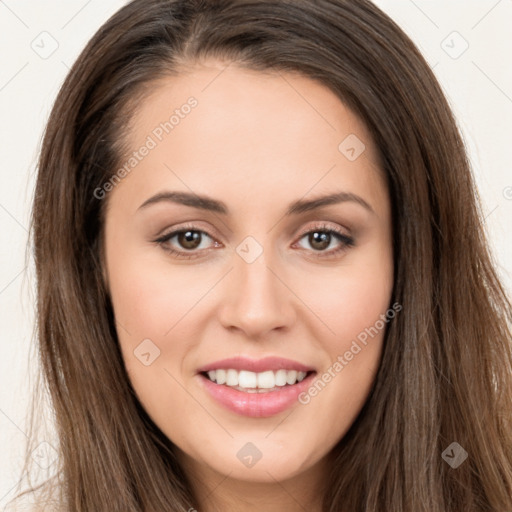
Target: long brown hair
446	370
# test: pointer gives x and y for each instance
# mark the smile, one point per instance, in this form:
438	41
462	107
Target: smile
255	388
251	382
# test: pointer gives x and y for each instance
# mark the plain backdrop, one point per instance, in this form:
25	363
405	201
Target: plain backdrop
468	43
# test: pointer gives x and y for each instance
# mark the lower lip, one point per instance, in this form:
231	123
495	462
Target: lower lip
256	405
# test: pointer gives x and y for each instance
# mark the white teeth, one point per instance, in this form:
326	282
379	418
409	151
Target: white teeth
247	379
266	380
291	377
281	378
220	376
251	381
232	378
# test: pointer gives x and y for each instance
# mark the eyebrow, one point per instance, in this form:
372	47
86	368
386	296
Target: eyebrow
213	205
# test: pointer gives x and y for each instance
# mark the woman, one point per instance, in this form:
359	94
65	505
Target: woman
263	280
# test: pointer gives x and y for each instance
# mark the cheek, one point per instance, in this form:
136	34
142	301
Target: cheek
158	311
353	303
151	322
359	317
145	309
349	299
150	299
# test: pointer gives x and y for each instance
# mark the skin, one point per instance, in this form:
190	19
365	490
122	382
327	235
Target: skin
257	142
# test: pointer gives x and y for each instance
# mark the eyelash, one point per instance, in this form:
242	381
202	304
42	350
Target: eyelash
346	241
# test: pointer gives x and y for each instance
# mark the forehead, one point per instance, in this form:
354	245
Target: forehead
225	130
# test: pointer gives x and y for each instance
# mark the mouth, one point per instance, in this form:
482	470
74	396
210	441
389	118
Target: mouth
255	388
252	382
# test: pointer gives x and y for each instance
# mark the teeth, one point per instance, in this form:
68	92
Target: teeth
232	378
246	379
220	376
251	381
291	377
266	380
281	377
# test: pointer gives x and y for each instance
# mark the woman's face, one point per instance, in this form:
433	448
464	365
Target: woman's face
266	274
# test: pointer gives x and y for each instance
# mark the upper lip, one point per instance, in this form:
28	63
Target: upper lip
256	365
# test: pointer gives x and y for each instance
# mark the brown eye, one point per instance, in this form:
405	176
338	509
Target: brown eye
187	242
189	239
324	241
319	240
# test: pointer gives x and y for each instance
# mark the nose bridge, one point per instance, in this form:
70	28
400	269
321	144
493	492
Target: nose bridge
256	301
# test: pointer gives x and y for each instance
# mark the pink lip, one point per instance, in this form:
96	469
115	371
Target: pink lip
256	365
256	405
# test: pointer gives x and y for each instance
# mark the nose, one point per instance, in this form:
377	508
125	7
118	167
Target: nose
256	299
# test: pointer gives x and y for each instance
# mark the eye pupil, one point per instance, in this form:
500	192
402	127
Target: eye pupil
319	240
189	239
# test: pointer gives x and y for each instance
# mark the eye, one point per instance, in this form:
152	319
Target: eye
322	237
189	241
